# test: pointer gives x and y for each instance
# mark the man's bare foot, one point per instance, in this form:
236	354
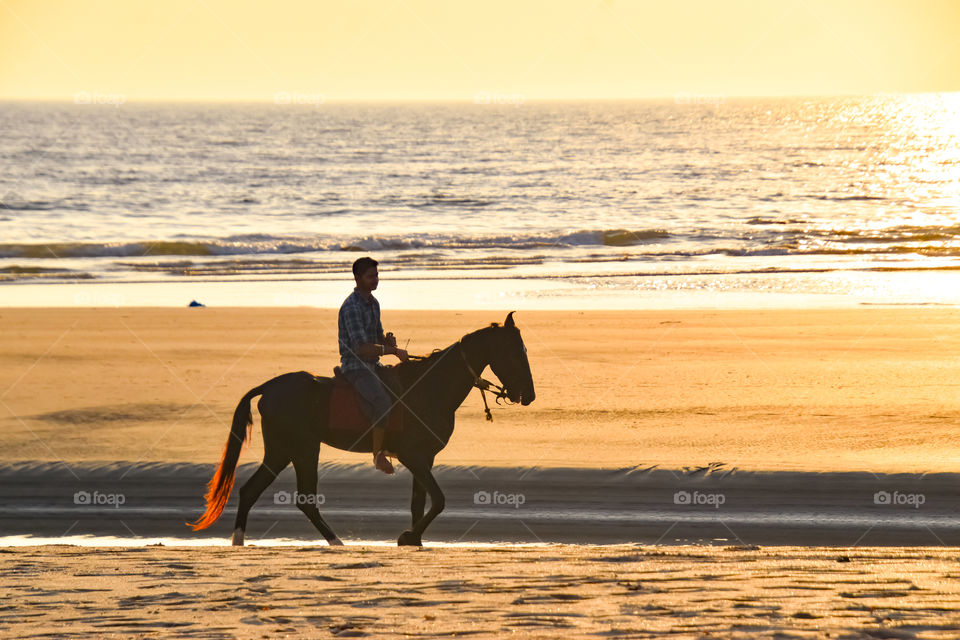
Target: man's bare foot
382	463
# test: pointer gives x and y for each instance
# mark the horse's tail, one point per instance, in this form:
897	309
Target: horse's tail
218	489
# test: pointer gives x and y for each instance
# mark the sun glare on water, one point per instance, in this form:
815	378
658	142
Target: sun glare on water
923	142
913	162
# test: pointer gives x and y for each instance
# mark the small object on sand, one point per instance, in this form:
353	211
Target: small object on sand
194	303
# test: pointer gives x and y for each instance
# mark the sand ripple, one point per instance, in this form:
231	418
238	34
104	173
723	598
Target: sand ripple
617	591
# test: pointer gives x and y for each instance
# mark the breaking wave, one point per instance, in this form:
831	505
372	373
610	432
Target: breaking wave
267	244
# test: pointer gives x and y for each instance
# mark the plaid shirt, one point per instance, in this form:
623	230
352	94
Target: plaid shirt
358	323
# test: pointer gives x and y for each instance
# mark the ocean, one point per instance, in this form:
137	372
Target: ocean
645	204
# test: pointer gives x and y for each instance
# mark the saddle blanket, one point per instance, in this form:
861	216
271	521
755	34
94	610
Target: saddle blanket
346	413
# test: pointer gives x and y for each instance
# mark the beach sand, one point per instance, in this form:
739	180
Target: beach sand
794	417
548	591
873	389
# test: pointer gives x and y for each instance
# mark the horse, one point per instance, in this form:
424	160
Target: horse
294	419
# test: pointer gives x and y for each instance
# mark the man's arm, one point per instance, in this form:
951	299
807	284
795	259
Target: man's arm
351	334
351	323
370	351
390	344
389	347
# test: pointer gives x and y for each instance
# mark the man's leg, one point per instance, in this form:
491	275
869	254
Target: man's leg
378	439
380	460
376	403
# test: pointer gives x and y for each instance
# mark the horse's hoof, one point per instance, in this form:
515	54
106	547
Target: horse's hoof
409	539
237	539
336	542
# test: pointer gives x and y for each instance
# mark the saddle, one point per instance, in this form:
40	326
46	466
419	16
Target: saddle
346	413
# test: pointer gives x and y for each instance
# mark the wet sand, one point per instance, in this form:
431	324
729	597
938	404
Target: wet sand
152	502
548	591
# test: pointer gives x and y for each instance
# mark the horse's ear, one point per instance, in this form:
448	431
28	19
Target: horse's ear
509	321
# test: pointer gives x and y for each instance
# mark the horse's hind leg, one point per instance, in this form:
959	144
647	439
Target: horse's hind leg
269	469
307	498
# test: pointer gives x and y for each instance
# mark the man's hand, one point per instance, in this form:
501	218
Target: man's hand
402	354
390	340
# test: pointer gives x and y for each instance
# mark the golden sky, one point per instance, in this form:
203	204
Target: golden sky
455	50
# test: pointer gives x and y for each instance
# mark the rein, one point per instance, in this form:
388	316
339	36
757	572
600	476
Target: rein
499	393
484	385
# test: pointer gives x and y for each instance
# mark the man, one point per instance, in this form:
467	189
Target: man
362	342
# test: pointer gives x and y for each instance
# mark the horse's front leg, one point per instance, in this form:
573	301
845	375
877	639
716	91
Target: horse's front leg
418	499
424	478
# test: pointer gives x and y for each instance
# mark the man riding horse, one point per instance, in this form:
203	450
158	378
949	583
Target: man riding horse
362	342
296	411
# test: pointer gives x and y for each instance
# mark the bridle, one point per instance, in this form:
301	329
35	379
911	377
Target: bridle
484	385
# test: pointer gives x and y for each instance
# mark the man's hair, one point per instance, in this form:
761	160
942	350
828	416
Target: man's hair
362	264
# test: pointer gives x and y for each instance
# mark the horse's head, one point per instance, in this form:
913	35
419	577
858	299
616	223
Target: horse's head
508	360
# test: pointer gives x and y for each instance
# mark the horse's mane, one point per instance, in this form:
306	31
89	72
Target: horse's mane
416	363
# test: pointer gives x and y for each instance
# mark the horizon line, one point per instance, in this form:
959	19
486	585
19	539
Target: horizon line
492	98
